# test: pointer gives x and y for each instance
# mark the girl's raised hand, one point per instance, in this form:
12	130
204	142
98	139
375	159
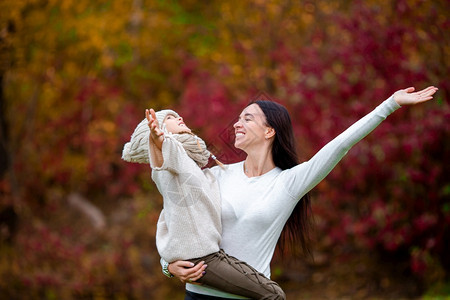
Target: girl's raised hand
153	124
409	97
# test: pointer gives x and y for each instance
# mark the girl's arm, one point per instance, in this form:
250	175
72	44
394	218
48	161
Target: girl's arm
302	178
156	139
165	152
143	139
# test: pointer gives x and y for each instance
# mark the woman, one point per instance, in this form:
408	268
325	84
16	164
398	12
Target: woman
267	190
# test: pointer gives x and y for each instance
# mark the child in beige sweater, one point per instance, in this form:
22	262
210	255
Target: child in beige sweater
189	226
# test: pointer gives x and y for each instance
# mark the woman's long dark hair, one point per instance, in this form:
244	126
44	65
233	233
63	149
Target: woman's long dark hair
284	155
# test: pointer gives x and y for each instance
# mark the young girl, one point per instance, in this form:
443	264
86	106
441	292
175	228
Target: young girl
189	226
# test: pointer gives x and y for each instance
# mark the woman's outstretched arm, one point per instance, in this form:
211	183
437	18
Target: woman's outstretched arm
302	178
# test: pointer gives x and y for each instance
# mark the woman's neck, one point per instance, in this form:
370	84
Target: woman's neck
257	164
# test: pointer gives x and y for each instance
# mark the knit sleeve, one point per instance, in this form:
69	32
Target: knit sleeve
174	157
136	150
302	178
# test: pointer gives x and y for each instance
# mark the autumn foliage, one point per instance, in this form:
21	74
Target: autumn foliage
78	75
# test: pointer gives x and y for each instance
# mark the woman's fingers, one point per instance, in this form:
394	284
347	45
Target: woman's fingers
186	272
185	264
195	271
199	274
428	91
407	97
426	94
430	88
183	268
410	89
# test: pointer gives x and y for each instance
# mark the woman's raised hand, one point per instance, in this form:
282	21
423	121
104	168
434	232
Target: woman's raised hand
409	97
186	271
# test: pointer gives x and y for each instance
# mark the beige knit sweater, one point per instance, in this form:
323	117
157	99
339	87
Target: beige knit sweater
189	225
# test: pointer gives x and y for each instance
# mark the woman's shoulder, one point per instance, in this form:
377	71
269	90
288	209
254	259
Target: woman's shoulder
226	168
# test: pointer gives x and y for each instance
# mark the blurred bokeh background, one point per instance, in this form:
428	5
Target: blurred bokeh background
77	222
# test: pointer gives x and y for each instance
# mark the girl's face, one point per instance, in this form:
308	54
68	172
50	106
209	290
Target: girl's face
175	125
250	129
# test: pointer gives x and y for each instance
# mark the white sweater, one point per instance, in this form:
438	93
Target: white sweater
189	225
254	210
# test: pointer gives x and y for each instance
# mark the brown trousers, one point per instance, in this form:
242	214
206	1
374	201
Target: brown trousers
231	275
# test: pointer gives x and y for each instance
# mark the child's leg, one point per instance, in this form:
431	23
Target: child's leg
231	275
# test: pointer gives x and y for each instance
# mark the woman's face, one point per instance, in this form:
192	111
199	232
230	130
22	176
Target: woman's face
175	125
251	128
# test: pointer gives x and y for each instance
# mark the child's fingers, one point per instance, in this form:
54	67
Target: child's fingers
155	129
153	122
152	112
